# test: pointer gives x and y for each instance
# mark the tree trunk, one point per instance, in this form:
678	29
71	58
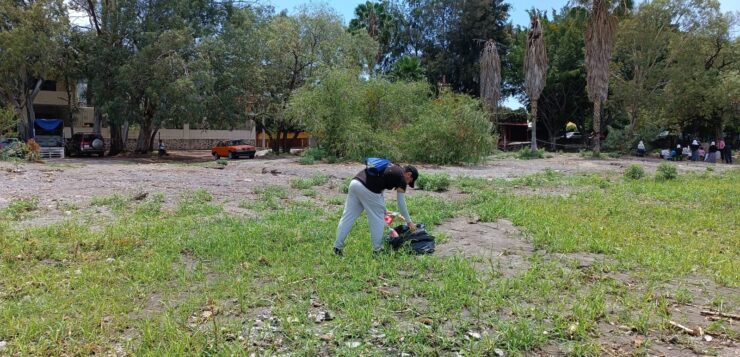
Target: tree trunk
551	138
633	124
288	143
145	132
29	107
22	114
70	106
276	144
152	138
117	145
597	126
30	118
98	124
124	131
534	125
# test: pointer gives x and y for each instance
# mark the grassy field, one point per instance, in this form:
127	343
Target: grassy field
194	280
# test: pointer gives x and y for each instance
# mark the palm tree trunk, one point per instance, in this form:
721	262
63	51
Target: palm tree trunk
534	125
597	127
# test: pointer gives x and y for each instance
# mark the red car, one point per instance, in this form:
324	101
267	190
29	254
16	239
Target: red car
233	149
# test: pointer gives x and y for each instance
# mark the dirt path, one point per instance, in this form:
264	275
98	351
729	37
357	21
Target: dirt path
78	180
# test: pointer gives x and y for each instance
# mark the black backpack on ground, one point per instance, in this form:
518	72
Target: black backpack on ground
419	242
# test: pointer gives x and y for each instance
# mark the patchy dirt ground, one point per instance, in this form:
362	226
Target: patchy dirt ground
61	182
498	246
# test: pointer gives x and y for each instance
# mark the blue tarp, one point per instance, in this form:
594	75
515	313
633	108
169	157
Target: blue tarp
48	124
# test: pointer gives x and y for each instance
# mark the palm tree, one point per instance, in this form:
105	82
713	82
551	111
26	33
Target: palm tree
408	68
535	69
375	18
599	41
490	76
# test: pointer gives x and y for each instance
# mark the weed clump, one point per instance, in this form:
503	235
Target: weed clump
634	172
528	154
665	172
434	182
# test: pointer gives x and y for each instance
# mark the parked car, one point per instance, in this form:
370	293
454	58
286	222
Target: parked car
85	144
233	149
8	143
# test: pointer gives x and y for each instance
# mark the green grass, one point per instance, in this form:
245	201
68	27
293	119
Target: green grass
19	209
116	202
433	182
528	154
305	183
191	281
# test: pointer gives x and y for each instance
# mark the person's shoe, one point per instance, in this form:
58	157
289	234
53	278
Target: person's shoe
337	251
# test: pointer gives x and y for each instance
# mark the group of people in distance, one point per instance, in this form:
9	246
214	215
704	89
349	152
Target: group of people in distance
695	151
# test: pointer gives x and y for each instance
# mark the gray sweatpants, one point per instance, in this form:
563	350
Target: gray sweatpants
359	199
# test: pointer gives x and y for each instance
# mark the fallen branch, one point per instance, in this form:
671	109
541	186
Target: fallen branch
697	332
720	314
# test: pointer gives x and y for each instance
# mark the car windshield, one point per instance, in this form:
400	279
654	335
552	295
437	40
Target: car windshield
238	142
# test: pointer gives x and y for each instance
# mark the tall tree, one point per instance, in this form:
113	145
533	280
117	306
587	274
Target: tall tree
564	97
490	77
146	66
641	58
378	21
599	41
702	80
448	33
294	49
535	69
30	36
104	44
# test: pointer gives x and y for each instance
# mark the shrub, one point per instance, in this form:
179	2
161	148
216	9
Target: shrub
222	162
453	129
355	119
433	182
666	171
307	160
8	122
634	172
527	154
316	153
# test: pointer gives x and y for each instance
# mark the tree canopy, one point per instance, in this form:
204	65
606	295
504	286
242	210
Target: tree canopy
233	64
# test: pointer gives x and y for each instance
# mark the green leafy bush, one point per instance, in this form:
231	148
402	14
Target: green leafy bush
433	182
307	160
634	172
454	128
317	154
401	121
666	171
